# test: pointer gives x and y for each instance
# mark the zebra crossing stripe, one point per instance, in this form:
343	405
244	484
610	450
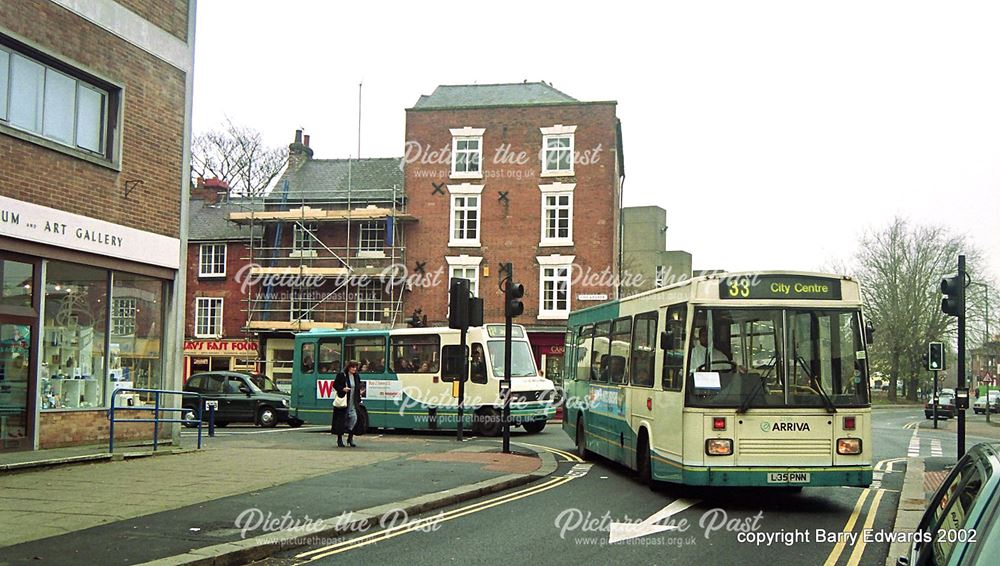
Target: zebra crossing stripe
936	448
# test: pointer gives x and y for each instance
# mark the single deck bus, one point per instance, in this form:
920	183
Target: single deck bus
409	378
749	379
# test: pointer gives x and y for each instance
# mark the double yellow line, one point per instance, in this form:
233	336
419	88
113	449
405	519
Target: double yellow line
859	548
430	522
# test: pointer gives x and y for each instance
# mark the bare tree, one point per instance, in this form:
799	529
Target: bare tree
237	155
900	269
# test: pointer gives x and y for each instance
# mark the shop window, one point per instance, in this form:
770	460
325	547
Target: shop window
72	371
17	281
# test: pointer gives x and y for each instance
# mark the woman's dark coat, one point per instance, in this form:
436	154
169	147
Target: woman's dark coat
339	424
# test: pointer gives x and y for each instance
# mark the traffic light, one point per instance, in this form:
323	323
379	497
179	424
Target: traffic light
935	356
475	311
513	305
953	302
458	304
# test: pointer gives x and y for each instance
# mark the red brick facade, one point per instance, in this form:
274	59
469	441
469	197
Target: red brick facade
510	229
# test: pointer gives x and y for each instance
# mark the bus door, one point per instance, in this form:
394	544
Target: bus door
668	402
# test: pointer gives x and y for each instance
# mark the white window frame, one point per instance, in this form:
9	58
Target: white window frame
38	129
465	263
203	330
300	301
366	247
304	240
554	262
213	263
123	316
464	191
466	134
554	132
371	293
556	190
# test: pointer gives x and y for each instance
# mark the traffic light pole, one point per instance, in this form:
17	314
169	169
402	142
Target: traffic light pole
961	354
935	398
461	380
507	344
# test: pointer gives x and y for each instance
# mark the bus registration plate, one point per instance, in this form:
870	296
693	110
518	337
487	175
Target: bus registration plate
788	477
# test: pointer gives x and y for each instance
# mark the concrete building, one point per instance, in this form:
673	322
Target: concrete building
95	107
519	173
647	262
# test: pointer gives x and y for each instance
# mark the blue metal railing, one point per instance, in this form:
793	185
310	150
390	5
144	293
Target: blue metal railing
156	409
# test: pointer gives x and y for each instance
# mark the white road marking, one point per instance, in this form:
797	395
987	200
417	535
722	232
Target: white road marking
626	531
936	448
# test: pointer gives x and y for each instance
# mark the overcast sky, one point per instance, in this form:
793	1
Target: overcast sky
773	133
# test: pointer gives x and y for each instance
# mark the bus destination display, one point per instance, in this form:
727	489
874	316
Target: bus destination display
780	287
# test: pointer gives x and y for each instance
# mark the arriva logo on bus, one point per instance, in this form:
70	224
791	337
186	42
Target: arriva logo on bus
784	427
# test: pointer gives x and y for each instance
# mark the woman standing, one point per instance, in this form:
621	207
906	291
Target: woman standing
348	385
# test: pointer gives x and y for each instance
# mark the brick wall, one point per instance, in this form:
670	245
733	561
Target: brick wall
233	305
73	428
512	231
152	129
170	15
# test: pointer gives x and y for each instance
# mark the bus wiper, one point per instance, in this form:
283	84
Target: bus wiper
745	404
819	386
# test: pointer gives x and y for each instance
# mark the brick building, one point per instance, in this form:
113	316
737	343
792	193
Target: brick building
332	231
519	173
218	264
95	102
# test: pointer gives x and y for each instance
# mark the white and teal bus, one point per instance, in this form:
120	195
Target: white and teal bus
748	379
409	378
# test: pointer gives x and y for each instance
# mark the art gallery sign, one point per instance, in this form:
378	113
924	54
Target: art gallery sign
44	225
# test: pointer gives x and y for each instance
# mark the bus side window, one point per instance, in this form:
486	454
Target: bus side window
673	358
600	361
620	350
478	364
583	346
569	357
308	358
368	351
329	356
643	363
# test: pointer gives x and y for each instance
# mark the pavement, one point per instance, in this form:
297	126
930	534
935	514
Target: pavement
242	497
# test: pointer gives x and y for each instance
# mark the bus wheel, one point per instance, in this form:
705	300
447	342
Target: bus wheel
643	466
534	427
486	422
581	439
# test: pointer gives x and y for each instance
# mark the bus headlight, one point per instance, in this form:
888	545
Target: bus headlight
848	446
719	446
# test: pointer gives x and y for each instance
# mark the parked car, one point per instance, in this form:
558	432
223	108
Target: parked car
979	407
946	407
241	397
961	525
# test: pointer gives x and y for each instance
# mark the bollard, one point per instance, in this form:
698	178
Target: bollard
211	420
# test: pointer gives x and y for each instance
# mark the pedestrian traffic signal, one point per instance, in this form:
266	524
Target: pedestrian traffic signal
458	304
513	305
953	302
935	356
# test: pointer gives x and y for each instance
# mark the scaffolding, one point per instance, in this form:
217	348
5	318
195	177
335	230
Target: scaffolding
327	258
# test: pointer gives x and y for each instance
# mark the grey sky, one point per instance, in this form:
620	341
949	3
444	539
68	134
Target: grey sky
773	133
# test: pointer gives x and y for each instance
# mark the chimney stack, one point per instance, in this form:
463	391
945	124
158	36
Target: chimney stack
210	190
298	152
305	140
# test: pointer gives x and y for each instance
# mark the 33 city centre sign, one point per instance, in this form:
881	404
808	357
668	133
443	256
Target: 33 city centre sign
794	287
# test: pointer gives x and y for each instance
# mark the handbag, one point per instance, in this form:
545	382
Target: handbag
340	402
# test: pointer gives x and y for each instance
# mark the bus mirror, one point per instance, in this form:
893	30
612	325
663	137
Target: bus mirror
869	333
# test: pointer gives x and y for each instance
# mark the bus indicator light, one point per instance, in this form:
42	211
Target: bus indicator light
850	423
848	446
719	446
719	423
649	403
